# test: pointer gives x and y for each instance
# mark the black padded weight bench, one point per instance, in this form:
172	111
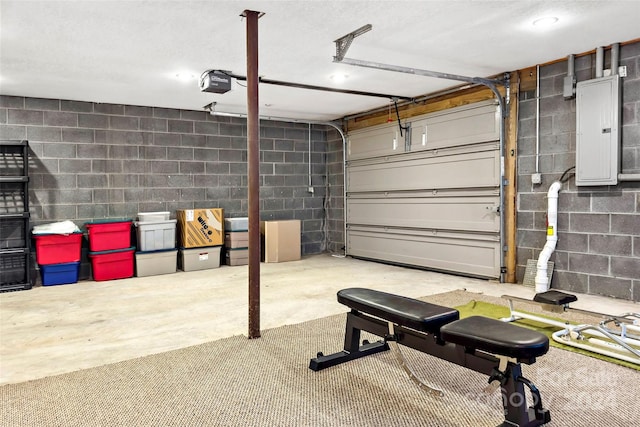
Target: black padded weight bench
481	344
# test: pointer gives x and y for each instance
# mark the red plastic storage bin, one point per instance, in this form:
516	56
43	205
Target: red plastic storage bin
107	236
110	265
58	248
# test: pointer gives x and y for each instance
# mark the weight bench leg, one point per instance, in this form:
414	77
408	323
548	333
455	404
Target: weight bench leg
352	348
517	413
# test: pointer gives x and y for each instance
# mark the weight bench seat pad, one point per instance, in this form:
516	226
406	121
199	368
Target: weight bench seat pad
496	337
409	312
555	298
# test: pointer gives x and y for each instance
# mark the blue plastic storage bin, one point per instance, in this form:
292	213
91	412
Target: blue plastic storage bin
60	274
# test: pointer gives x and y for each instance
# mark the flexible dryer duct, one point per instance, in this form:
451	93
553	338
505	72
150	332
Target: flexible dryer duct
542	280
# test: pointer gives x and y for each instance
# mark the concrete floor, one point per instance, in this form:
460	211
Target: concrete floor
56	329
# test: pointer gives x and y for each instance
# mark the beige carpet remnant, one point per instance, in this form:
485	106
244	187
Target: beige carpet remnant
266	382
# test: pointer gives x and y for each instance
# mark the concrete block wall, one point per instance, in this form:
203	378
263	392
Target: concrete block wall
92	161
598	250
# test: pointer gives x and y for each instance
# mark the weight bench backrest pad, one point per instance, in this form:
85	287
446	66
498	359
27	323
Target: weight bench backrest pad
419	315
496	337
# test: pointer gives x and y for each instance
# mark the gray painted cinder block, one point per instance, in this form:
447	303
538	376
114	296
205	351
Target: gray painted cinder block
206	128
589	223
93	121
42	104
77	135
195	167
108	108
91	151
570	281
7	101
59	118
608	244
626	224
48	134
138	111
575	242
530	238
573	202
52	213
180	126
74	165
25	117
124	123
166	113
631	92
153	124
77	106
611	286
625	267
614	202
587	263
13	132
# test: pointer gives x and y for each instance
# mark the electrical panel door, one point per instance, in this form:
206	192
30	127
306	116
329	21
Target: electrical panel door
598	131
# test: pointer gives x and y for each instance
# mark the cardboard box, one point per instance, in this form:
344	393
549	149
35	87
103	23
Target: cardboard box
236	239
200	227
280	240
199	258
236	256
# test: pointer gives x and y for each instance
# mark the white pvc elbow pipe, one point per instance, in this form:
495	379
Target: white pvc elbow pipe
541	280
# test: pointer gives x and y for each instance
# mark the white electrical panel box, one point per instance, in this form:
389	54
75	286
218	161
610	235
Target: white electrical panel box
598	131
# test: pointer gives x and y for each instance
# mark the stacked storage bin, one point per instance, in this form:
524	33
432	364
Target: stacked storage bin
58	256
110	249
157	253
236	241
200	238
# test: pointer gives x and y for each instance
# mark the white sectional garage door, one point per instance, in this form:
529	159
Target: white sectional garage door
431	196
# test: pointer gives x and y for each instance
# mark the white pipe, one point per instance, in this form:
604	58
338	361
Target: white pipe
537	118
599	62
310	187
615	58
541	280
629	177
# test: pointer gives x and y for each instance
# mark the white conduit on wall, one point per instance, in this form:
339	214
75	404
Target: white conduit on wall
542	280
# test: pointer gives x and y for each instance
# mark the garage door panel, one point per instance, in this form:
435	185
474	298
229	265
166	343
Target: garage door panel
374	142
478	169
447	213
433	203
467	125
468	254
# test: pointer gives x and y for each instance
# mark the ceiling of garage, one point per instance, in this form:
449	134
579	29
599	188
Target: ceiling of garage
131	52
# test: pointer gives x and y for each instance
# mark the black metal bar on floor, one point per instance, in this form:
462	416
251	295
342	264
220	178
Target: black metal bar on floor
253	166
